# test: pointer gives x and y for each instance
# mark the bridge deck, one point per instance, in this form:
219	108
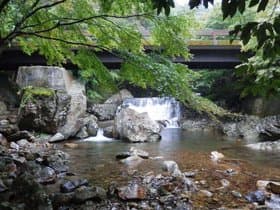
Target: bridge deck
204	56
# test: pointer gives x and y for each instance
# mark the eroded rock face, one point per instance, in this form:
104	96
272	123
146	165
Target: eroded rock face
136	127
59	108
43	109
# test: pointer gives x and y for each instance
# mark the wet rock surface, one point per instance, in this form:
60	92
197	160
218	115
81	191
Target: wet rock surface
136	127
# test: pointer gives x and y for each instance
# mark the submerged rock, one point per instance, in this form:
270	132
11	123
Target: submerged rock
216	156
171	167
256	196
265	146
132	192
136	127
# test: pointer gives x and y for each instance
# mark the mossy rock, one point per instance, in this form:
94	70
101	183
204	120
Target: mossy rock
33	93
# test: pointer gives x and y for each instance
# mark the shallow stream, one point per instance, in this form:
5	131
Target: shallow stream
191	150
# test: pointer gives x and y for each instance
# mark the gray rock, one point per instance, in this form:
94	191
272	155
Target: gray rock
46	175
119	97
265	146
133	191
3	140
132	161
84	193
92	126
22	135
205	193
57	138
14	146
3	107
109	132
171	167
70	186
24	143
256	196
103	111
82	133
136	127
139	152
56	112
236	194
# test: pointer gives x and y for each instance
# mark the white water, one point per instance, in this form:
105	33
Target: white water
99	137
166	109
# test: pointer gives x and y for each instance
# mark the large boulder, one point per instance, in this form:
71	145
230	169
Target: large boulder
57	101
103	111
119	97
43	109
107	110
136	127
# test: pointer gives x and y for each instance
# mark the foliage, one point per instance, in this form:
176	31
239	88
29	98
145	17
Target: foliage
75	31
261	71
168	79
215	18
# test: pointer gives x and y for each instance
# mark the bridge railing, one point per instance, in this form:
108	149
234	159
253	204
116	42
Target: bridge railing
213	37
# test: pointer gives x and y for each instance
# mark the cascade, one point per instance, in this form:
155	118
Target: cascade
99	137
165	109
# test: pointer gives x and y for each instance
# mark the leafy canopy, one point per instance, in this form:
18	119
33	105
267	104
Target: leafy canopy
71	30
260	73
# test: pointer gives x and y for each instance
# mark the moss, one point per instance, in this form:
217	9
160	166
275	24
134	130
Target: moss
32	93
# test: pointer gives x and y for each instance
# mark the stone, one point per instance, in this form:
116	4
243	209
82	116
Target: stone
132	161
14	146
91	124
216	156
205	193
274	187
103	112
23	134
225	183
133	191
141	153
269	146
123	155
70	186
82	134
3	107
136	127
3	140
57	138
51	111
171	167
3	187
84	193
256	196
236	194
109	132
266	184
24	143
46	175
119	97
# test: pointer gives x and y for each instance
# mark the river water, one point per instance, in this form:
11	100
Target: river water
96	161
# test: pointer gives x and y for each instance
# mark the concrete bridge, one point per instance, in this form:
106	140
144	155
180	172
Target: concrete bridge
208	52
204	56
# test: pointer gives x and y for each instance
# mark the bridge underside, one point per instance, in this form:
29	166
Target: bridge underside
210	57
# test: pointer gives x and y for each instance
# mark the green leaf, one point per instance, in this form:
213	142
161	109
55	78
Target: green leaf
262	5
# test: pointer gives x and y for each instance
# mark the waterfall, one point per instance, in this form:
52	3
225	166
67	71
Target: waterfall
99	137
165	110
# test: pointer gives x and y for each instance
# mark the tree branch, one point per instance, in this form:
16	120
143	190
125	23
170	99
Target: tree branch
64	41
